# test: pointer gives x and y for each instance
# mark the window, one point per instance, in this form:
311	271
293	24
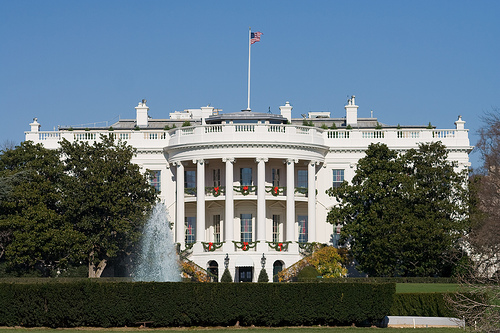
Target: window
302	178
155	180
190	225
216	177
216	228
246	176
276	177
336	235
246	227
276	228
302	228
338	177
190	179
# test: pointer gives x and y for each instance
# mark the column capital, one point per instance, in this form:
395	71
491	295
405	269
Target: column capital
228	159
198	160
291	160
178	163
258	159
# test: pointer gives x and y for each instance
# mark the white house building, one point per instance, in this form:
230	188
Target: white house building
242	186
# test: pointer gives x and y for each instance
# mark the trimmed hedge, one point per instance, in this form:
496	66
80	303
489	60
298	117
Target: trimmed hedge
88	303
421	304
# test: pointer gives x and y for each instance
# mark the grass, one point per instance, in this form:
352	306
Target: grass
425	287
235	330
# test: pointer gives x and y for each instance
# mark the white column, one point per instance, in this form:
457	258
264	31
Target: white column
229	209
311	202
290	200
179	209
200	200
261	202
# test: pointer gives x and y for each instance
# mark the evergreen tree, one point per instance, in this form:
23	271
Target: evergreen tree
226	276
263	276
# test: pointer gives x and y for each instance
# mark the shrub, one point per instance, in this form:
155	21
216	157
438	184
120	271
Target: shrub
263	276
226	276
186	123
308	274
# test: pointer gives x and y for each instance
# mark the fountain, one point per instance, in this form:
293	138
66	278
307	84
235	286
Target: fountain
158	258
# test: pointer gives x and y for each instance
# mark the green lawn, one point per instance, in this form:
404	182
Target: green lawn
237	330
425	287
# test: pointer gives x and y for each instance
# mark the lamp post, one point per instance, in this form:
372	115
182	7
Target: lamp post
226	261
263	261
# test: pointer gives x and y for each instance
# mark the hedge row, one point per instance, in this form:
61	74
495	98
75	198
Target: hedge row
421	304
88	303
386	280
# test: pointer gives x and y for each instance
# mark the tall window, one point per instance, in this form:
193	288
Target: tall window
216	177
217	228
155	180
190	226
338	177
190	181
276	177
302	178
303	229
246	176
276	228
246	227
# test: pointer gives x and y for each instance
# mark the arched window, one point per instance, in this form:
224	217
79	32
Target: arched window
277	267
213	270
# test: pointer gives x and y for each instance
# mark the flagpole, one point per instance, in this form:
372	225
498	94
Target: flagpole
249	48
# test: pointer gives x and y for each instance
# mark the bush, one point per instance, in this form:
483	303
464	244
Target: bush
263	276
421	304
93	303
226	276
308	274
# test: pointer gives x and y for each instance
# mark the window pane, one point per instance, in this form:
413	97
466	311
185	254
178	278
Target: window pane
246	227
338	177
246	176
190	179
276	230
276	177
190	225
217	228
303	228
216	177
155	180
302	178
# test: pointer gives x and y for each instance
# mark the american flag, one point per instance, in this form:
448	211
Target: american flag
255	37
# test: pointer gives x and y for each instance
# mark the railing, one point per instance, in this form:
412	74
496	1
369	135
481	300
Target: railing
408	134
244	128
443	134
343	134
85	136
276	128
48	136
372	134
213	129
215	191
154	135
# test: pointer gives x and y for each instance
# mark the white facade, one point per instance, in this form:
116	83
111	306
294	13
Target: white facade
206	170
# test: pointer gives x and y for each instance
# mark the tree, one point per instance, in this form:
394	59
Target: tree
106	198
402	215
263	276
226	276
33	232
478	299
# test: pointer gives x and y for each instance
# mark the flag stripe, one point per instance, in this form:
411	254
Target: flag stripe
255	37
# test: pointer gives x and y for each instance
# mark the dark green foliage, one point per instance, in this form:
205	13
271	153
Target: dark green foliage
421	304
403	215
349	127
378	126
323	126
307	274
334	126
263	276
110	304
429	126
226	276
306	122
186	123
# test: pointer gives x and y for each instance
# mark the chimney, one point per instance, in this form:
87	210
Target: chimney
351	112
286	111
142	114
206	111
459	124
35	126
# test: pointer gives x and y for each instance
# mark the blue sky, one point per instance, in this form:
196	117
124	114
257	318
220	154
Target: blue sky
411	62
